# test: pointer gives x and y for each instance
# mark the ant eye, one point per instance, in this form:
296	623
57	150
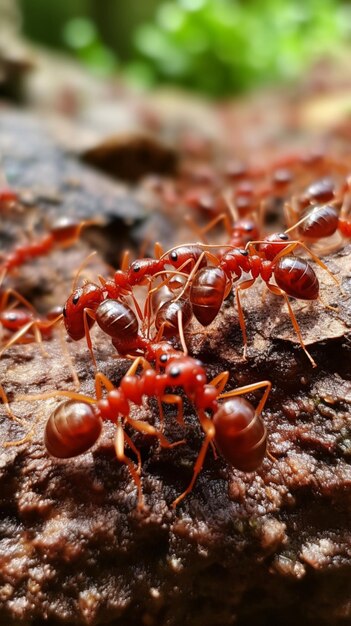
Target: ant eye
174	256
283	236
248	228
244	252
12	317
174	372
64	311
75	298
136	267
163	358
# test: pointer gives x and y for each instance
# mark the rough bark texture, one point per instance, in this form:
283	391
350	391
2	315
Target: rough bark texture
270	547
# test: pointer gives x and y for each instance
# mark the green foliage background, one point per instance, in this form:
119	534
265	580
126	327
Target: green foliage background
217	47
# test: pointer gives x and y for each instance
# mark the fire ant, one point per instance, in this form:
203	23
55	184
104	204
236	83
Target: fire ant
22	322
63	233
235	428
293	275
82	307
324	220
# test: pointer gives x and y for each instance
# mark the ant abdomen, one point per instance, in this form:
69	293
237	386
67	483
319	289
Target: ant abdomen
65	231
72	429
117	319
297	278
322	221
167	316
241	436
207	293
162	295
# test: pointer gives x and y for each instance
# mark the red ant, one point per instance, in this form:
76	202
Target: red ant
294	277
80	309
324	220
236	427
23	322
63	233
91	303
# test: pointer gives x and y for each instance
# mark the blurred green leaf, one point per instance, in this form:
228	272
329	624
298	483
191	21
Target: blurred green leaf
224	46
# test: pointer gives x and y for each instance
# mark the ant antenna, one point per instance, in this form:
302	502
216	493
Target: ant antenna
83	264
181	332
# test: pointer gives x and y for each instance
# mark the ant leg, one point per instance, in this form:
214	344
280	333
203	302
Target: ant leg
327	306
240	391
171	398
89	312
83	264
137	307
21	333
30	433
220	381
271	456
46	395
233	210
148	429
69	359
245	285
27	437
102	381
209	430
6	404
121	456
161	412
36	325
125	261
201	232
291	213
140	360
135	450
19	442
279	292
158	250
12	292
181	332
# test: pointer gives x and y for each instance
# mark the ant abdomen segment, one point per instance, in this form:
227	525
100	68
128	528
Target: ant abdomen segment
241	435
167	316
117	319
322	221
207	292
72	429
297	278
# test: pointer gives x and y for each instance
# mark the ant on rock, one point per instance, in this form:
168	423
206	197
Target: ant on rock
234	426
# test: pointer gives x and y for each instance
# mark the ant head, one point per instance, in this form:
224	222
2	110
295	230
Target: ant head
87	297
185	257
275	243
186	372
140	269
163	353
247	230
